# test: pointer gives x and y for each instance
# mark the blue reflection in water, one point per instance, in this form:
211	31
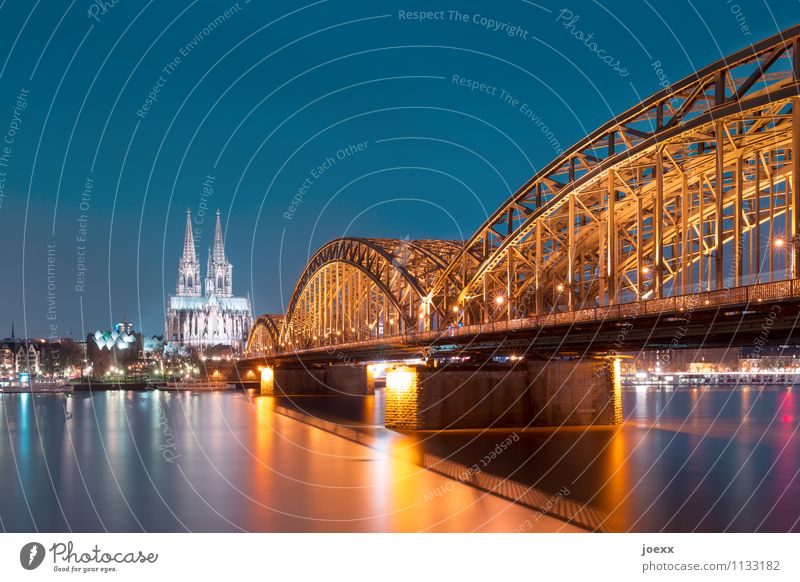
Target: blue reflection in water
686	459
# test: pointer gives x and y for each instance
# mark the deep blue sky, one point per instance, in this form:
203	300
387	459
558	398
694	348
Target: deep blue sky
269	94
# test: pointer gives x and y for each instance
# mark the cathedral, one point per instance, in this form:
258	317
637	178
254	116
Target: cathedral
214	318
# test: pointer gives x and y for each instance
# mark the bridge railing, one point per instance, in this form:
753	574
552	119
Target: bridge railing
734	296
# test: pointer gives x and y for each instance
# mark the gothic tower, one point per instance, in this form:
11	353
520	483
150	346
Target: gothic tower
188	267
219	273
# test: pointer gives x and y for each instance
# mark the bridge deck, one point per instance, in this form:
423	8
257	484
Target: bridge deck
765	313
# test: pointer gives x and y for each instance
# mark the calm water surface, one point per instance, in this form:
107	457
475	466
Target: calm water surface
685	460
158	461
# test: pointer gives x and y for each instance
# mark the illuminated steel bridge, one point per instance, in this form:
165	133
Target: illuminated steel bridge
687	202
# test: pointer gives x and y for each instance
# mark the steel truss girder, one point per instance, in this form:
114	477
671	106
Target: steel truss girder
264	336
396	272
708	97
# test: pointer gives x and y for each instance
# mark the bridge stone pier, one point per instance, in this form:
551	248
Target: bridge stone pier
335	379
585	391
576	391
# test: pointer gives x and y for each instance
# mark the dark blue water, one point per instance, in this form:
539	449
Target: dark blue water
684	460
690	459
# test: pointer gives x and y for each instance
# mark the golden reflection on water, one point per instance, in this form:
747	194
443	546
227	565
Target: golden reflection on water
618	469
263	440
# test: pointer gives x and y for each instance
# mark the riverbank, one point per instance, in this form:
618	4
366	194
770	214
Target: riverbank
136	386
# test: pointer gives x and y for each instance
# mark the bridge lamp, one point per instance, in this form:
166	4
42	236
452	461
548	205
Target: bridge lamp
778	242
499	299
455	309
559	287
645	270
391	321
338	332
353	330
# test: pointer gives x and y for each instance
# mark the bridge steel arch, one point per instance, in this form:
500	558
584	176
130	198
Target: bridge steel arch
694	189
354	289
264	336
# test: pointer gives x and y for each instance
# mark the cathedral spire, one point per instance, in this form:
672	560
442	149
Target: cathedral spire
189	254
219	278
188	267
219	244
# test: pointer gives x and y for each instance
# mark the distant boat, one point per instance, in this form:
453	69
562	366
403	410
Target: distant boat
204	385
38	387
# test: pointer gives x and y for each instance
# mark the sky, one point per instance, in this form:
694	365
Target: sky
301	122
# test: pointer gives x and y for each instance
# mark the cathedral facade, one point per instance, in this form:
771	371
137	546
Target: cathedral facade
200	318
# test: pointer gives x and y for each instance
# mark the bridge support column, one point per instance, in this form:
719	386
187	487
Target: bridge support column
292	381
580	391
402	398
422	398
347	379
342	379
267	381
573	392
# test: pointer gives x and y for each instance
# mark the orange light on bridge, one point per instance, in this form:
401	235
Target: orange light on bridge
559	287
778	242
499	299
455	308
645	270
399	379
